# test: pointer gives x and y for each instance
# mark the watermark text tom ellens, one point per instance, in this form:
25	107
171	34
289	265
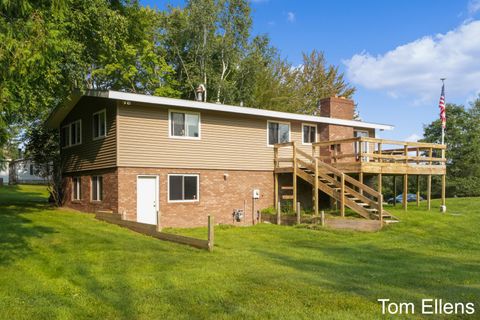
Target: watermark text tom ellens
428	306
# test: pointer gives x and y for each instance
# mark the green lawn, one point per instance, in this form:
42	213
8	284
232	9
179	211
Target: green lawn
66	265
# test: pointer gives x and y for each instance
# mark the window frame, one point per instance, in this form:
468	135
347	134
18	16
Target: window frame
171	136
104	111
316	133
71	135
276	121
98	193
78	181
183	190
67	138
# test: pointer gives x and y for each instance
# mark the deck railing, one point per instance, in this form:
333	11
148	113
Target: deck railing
373	150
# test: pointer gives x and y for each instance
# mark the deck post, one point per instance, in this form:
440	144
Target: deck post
429	191
211	234
380	185
298	212
443	208
316	187
418	190
380	209
360	178
276	197
159	227
294	155
394	190
275	166
342	195
279	212
405	192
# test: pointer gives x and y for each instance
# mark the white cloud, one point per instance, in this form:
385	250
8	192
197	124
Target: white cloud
414	69
473	6
290	16
413	137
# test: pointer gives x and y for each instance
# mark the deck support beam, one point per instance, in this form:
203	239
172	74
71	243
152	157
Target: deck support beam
315	194
380	186
429	191
294	150
394	190
444	185
342	195
405	192
276	197
360	178
418	190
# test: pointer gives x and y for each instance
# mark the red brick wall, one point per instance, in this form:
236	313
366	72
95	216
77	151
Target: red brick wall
110	191
218	196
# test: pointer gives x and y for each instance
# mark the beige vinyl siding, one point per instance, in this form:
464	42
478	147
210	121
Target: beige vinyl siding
228	141
92	154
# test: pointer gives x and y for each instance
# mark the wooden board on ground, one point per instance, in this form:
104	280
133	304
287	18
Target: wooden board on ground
353	224
150	230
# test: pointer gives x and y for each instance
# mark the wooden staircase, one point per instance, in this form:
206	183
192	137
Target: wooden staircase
349	192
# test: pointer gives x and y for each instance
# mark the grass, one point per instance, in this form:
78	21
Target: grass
59	264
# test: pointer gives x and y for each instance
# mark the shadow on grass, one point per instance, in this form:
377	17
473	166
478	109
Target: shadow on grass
16	230
395	273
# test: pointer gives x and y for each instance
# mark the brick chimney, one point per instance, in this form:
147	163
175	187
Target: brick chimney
340	108
337	107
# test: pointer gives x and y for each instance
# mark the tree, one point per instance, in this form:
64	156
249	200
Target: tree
462	137
314	80
44	150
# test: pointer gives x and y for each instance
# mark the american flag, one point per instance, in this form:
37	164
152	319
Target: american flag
441	105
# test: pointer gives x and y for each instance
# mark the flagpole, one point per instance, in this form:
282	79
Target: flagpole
443	129
443	207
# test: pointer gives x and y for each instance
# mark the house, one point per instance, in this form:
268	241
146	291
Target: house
139	155
20	171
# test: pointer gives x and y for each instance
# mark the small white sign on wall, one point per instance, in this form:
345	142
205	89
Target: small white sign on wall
256	194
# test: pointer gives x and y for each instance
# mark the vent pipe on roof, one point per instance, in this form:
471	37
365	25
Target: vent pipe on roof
200	93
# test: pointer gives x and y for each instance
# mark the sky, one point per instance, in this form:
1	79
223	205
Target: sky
394	52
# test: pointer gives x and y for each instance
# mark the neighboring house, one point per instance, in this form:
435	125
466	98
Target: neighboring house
138	155
4	171
20	171
24	171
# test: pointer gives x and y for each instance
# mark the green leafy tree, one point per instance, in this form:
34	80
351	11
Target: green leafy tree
462	137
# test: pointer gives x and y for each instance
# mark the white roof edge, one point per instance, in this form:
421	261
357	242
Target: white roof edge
233	109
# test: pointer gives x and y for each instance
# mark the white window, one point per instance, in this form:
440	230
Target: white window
309	133
97	188
99	124
65	136
278	132
183	187
76	133
76	188
184	125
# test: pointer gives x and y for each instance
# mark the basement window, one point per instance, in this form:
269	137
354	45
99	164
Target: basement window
278	132
184	125
183	187
309	133
99	124
76	188
97	188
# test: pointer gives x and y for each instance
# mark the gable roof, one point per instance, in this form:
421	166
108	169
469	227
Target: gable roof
57	115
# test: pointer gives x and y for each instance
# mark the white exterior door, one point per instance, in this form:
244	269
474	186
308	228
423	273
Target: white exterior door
147	199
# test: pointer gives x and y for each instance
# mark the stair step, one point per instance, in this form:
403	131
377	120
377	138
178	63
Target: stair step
287	197
390	221
287	187
372	210
362	204
354	199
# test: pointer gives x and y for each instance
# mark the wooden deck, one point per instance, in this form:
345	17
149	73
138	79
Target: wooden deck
380	156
